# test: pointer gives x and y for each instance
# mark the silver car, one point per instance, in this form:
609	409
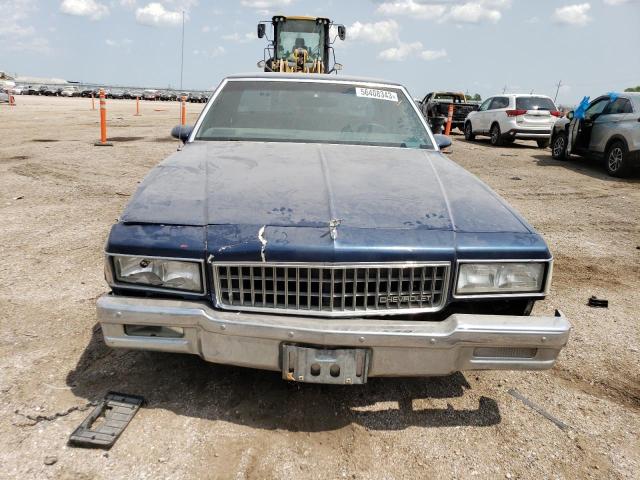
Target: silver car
610	129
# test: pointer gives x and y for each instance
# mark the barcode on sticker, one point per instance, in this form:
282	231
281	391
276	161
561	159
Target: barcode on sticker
377	94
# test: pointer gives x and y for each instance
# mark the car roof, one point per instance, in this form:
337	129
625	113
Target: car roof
309	76
520	95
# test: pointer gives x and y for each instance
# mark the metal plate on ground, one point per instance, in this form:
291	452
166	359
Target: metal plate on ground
314	365
107	421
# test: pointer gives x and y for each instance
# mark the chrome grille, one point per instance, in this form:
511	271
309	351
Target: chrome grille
331	289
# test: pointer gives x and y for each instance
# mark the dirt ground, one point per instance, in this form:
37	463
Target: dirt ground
59	195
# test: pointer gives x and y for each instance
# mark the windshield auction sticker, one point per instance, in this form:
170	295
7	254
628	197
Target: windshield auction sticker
377	94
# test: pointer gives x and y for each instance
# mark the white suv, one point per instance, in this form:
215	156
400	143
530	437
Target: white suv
505	118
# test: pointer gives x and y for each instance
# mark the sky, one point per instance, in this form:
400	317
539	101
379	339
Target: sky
475	46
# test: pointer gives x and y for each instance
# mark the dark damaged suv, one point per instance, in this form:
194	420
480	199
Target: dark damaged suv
310	225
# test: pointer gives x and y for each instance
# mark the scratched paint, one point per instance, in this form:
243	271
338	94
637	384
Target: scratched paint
308	185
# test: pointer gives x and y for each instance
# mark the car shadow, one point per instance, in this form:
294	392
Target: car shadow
591	166
187	385
486	141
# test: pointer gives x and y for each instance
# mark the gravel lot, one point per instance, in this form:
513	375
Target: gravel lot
58	197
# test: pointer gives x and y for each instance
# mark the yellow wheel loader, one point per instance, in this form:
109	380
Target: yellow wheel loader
300	44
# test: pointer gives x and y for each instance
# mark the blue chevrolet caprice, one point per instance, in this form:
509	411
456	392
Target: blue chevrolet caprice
311	225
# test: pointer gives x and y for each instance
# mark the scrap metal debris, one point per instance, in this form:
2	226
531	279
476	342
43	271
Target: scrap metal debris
558	423
107	421
35	419
333	227
598	302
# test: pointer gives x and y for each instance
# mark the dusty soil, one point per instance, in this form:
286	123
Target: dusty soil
58	197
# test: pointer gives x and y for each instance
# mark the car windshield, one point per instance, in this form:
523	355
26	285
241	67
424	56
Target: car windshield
535	103
313	112
449	96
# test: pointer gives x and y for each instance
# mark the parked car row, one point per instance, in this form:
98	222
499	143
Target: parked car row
608	129
113	93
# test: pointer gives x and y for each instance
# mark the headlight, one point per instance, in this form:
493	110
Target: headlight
478	278
158	272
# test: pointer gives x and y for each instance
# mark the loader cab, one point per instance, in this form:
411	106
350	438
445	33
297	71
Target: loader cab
300	44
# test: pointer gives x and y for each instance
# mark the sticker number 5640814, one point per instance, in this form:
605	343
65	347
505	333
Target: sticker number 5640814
377	94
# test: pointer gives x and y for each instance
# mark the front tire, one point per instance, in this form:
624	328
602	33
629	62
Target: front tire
496	135
559	147
616	159
468	132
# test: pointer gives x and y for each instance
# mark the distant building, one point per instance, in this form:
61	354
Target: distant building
8	80
40	80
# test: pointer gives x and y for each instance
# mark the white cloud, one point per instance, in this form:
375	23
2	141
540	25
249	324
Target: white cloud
616	2
265	4
412	8
156	15
401	52
15	34
477	12
84	8
575	15
470	11
433	54
240	37
211	53
125	42
404	50
385	31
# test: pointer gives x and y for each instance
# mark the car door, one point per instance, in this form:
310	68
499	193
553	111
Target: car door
478	118
496	110
608	123
581	129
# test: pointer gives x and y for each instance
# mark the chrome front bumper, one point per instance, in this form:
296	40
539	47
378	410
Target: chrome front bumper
398	347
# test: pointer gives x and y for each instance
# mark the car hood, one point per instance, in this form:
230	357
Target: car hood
311	185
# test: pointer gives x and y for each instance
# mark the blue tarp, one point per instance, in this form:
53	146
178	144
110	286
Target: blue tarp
579	112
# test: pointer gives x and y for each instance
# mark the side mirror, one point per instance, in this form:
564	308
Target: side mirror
182	132
442	141
342	32
570	115
261	30
337	66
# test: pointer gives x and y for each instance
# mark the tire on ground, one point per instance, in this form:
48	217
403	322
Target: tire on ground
616	160
496	135
559	147
468	132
